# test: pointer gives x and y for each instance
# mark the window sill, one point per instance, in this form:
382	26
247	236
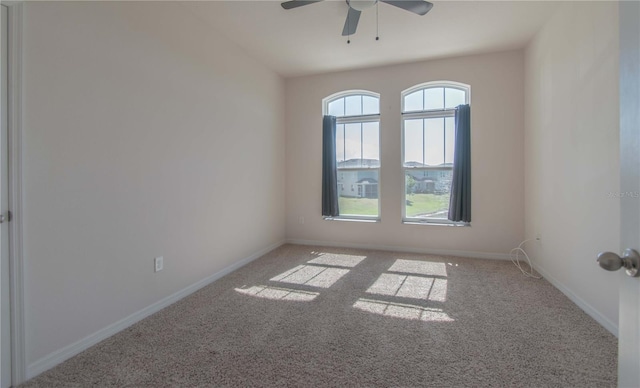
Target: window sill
349	219
437	223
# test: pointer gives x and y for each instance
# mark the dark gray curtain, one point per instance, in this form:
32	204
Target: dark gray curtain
329	168
460	203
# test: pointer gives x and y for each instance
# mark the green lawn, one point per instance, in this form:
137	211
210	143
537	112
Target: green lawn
358	206
422	204
417	204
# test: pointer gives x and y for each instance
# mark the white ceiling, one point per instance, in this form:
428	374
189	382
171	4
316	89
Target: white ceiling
307	40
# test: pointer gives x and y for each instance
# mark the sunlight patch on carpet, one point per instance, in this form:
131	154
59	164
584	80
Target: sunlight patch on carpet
337	260
407	286
416	267
400	310
277	293
311	275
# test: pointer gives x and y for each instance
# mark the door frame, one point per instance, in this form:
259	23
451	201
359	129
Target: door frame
14	132
629	319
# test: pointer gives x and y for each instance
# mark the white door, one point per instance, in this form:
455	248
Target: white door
629	326
5	312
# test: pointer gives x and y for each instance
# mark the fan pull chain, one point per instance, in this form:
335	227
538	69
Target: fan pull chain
377	23
348	29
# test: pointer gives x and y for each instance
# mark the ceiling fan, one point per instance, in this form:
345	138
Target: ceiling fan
420	7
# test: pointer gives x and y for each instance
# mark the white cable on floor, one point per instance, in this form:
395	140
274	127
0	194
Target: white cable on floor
515	254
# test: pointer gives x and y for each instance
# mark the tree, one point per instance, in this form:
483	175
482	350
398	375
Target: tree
411	183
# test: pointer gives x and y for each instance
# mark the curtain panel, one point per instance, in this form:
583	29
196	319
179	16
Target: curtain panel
329	168
460	202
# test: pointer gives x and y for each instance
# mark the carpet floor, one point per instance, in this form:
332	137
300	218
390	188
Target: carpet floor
316	316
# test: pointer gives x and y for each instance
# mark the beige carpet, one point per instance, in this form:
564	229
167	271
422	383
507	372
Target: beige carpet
315	316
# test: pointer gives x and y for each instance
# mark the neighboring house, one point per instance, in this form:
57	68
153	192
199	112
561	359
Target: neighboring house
358	178
423	186
430	180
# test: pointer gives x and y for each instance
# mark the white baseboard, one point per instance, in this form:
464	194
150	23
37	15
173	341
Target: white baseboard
586	307
400	248
71	350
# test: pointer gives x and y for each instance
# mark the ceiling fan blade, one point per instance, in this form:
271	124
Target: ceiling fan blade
297	3
419	7
351	23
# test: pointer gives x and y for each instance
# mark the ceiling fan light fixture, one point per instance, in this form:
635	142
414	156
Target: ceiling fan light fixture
360	5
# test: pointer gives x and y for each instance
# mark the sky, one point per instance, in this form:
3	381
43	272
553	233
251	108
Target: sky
429	141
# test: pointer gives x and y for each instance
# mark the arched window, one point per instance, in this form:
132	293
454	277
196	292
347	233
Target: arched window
357	151
428	131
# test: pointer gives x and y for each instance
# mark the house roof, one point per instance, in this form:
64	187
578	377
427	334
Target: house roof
418	164
367	180
359	163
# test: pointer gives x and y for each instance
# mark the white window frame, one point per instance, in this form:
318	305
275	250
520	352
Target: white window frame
426	114
358	119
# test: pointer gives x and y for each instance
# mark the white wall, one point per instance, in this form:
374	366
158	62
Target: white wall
145	134
572	152
497	114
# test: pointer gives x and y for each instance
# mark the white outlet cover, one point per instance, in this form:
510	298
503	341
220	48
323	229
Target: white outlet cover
158	263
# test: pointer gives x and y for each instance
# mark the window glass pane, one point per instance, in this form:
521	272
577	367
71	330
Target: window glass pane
370	105
434	98
358	192
352	141
453	97
413	143
336	108
427	193
340	142
449	139
371	144
434	141
353	105
413	102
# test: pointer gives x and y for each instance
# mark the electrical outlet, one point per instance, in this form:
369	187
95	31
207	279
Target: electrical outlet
158	264
301	220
